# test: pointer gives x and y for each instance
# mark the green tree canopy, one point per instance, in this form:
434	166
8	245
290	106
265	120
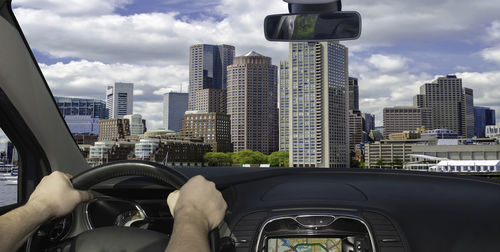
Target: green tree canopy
278	159
380	162
217	159
355	163
249	157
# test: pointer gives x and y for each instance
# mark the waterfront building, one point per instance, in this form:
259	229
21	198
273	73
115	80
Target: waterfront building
82	115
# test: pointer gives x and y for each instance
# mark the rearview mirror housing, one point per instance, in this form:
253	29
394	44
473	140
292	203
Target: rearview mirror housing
312	27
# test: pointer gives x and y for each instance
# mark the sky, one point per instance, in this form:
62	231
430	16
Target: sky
82	46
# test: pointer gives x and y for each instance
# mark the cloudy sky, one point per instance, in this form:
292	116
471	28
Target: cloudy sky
84	45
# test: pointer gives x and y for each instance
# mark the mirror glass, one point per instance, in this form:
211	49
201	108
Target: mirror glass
313	27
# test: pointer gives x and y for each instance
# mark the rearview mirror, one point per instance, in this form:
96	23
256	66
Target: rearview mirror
345	25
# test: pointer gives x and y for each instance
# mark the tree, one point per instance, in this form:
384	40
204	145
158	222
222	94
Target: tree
397	163
380	162
217	159
355	163
278	159
249	157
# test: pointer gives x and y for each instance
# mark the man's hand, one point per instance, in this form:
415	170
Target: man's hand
56	196
53	197
198	200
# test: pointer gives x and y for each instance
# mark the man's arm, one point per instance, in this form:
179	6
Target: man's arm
198	207
53	197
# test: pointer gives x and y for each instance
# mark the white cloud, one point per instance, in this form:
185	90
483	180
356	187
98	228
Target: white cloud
151	49
74	7
388	63
152	112
85	78
491	54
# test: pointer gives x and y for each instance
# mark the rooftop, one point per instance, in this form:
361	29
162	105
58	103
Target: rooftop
253	53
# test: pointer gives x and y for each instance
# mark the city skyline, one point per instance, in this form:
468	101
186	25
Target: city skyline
389	61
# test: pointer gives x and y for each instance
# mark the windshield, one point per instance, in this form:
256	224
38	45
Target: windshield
195	83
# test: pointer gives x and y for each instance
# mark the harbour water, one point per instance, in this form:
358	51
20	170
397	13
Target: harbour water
8	194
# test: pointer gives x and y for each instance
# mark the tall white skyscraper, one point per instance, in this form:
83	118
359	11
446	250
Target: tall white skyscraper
316	105
120	99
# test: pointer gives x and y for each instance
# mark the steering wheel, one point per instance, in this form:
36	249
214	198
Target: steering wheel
125	238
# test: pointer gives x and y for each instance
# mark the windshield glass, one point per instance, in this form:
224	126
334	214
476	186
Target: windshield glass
195	83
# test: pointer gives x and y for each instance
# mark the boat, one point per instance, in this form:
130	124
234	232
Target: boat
12	175
11	182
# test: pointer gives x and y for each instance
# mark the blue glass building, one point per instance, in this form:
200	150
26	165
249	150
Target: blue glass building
483	117
82	114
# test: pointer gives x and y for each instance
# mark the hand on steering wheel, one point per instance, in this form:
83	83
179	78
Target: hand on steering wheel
130	239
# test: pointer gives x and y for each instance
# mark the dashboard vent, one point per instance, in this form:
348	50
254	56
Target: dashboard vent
245	230
386	235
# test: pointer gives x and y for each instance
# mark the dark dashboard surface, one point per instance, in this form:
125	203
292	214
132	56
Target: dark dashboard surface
406	211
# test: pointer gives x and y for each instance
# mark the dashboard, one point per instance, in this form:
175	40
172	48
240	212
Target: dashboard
314	210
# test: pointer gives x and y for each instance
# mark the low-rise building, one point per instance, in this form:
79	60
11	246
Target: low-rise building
406	135
392	153
108	151
214	128
440	134
113	129
467	166
145	148
460	152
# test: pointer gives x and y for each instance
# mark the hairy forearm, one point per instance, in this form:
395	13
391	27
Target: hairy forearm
17	225
190	234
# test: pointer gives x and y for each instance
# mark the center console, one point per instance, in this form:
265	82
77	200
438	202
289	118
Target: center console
315	233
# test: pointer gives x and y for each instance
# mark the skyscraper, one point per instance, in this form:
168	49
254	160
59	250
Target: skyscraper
212	100
368	122
353	94
120	99
450	103
284	106
355	129
318	105
483	117
252	103
208	69
174	107
401	118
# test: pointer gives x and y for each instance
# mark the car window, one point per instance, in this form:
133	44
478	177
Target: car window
9	159
197	84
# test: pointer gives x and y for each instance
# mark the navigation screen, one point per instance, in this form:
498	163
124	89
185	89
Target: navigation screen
304	244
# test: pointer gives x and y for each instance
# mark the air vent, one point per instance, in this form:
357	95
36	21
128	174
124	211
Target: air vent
386	235
245	230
